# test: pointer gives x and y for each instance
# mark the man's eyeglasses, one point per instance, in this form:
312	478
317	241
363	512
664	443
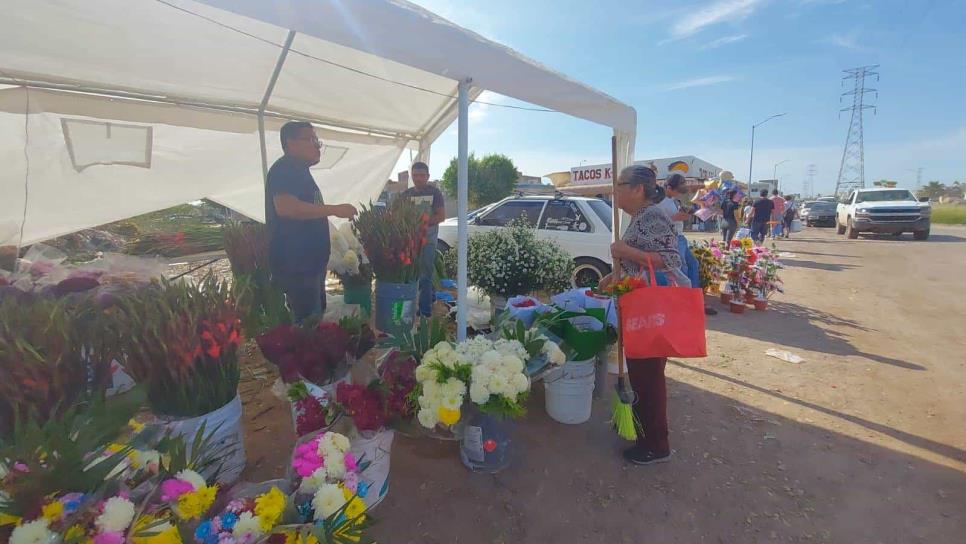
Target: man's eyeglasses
315	141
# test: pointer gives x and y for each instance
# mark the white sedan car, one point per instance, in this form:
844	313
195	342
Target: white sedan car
582	227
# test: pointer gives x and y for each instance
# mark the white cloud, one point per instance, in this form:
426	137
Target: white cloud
719	11
847	41
724	41
699	82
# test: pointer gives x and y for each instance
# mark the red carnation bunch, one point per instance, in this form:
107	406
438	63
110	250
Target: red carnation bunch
312	412
364	404
310	352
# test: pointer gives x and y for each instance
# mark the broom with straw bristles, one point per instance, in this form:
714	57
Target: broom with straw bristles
623	417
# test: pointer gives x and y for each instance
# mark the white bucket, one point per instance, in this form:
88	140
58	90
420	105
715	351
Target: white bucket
224	426
570	390
374	447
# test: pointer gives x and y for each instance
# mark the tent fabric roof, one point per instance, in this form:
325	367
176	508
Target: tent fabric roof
194	75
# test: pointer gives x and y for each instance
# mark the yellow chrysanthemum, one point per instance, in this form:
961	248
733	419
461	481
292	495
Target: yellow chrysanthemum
53	511
194	504
448	417
74	533
166	533
293	537
7	519
135	426
269	507
355	511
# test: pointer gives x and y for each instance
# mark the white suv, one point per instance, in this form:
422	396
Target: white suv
582	227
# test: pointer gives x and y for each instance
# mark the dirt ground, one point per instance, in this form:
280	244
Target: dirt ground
865	441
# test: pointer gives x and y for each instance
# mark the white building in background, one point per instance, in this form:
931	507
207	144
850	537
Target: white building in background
593	179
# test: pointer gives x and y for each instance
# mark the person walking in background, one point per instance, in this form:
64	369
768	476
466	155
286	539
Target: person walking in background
777	213
791	210
671	206
729	221
297	221
761	213
746	212
431	200
650	238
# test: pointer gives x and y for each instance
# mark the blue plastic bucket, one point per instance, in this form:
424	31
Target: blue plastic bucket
395	306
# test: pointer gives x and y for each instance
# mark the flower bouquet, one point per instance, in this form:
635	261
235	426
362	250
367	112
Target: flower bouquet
181	342
393	240
512	261
315	352
329	483
311	410
709	256
351	265
53	354
261	301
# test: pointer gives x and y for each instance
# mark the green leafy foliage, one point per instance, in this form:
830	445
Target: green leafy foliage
491	178
428	332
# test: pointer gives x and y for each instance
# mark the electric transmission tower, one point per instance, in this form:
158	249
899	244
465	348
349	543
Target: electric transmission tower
852	168
809	186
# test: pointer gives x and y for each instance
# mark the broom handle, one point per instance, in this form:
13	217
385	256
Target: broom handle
615	234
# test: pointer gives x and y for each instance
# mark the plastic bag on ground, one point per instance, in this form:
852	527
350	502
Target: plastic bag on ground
786	356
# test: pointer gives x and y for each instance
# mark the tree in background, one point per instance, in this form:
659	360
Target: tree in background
933	190
490	179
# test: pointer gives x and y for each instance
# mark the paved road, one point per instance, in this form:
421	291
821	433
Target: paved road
864	442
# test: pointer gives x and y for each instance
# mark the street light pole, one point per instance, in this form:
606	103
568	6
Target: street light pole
751	160
774	174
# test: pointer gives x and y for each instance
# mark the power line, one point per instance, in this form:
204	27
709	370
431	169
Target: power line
852	167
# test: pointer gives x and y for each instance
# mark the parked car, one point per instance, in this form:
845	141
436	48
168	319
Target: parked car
818	213
885	211
582	227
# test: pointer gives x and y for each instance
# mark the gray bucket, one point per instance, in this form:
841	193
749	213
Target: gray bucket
570	391
395	306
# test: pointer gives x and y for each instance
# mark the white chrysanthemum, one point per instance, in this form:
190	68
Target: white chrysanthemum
443	347
453	386
452	402
248	525
554	353
192	477
117	516
335	467
479	393
314	481
334	441
490	358
327	501
513	364
32	532
424	373
520	383
427	418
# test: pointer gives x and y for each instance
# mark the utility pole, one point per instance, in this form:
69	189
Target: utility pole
918	172
852	167
810	182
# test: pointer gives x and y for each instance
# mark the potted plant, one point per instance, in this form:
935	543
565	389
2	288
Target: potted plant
393	240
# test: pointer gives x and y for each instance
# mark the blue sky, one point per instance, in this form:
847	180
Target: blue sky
701	73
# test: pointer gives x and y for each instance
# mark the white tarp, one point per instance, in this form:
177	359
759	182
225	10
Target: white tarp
135	105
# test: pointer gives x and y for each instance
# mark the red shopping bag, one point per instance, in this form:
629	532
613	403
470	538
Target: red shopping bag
663	321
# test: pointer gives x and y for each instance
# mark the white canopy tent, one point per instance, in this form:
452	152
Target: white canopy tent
114	108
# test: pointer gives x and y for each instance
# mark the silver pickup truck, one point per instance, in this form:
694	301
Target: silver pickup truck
883	211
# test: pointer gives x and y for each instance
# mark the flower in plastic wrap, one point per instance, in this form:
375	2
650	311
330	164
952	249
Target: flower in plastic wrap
327	500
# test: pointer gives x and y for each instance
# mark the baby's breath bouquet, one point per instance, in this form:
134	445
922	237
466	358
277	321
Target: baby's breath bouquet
512	261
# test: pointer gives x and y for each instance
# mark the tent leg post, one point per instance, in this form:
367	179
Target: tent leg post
462	206
265	98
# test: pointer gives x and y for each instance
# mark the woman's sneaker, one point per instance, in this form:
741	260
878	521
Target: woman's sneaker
641	456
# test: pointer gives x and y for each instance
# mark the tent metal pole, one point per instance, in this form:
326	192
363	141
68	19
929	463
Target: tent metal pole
267	97
462	177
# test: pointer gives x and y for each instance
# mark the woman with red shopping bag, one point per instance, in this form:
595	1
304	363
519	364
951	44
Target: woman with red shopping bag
649	239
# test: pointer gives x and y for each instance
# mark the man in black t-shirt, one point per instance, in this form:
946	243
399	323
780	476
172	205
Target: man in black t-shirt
297	220
431	200
760	216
